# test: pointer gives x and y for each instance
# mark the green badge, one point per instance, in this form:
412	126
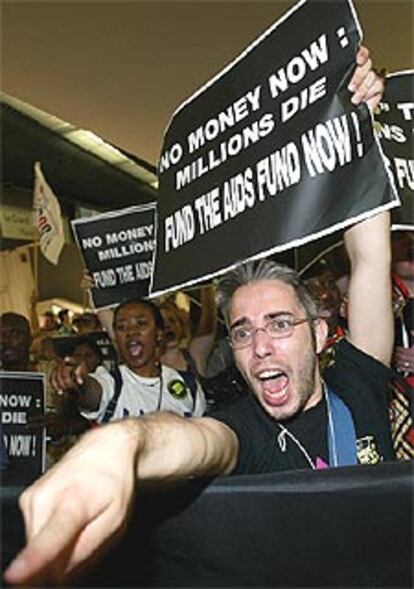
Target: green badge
177	389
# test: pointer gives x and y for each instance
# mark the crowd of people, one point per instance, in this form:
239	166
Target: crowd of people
167	359
319	368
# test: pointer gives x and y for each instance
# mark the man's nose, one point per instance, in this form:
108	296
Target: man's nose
262	343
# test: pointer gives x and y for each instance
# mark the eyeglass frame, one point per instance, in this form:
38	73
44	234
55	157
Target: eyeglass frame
294	323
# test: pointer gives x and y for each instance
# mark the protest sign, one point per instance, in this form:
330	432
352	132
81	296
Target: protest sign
47	218
118	249
271	153
395	127
64	346
22	395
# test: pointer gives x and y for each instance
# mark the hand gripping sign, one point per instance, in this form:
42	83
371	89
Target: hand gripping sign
269	154
118	249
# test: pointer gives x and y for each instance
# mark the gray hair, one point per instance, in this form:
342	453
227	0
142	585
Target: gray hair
250	272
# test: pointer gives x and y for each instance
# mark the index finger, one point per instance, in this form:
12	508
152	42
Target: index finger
63	376
56	539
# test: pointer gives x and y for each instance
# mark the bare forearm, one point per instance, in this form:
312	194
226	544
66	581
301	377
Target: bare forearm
106	317
86	496
208	315
170	447
370	310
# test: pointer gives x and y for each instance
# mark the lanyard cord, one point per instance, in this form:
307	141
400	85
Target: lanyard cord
281	437
161	393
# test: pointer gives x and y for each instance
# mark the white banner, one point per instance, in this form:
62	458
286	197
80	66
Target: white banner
47	218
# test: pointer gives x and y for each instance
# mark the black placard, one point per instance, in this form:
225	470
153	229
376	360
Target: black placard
118	250
396	131
22	395
271	153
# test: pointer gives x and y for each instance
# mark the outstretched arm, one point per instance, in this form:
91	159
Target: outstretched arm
370	318
84	500
73	378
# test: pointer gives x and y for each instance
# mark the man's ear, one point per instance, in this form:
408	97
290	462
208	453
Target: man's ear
321	334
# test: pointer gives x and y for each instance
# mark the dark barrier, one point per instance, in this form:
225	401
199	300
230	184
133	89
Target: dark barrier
345	527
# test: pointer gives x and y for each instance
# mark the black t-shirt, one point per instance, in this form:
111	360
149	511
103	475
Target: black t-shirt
363	384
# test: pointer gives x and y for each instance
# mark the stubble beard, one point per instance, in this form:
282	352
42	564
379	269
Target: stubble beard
304	389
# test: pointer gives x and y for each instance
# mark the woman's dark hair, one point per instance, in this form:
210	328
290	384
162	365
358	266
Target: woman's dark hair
62	314
84	340
159	321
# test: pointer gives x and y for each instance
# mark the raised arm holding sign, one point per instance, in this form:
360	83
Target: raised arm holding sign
273	152
118	250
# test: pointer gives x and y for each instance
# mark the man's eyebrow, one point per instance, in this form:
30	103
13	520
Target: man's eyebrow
278	314
267	317
241	321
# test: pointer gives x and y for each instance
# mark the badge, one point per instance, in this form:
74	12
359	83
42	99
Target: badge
177	389
367	451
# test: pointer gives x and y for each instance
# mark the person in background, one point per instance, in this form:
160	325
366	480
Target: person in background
87	323
50	324
48	329
142	384
45	363
403	265
402	401
62	420
185	351
323	286
15	341
86	351
65	326
325	290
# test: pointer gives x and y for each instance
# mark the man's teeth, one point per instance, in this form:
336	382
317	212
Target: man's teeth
269	374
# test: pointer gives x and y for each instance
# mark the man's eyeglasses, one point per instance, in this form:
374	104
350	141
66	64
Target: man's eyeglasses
278	327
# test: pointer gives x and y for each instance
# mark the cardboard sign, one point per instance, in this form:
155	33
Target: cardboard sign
271	153
396	132
118	250
65	345
22	395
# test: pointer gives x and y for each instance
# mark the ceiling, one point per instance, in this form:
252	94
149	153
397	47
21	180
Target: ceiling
121	68
81	168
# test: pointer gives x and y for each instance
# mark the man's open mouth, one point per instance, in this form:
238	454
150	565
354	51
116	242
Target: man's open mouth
274	384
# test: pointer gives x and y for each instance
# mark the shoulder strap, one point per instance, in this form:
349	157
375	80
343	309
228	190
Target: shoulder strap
192	364
190	376
341	432
110	409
